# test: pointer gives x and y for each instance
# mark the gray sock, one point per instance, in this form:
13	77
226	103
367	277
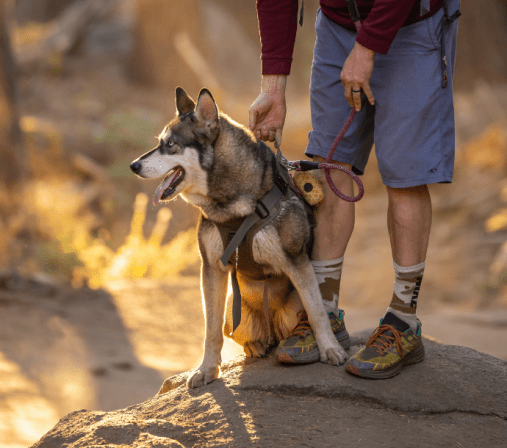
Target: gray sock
406	291
329	273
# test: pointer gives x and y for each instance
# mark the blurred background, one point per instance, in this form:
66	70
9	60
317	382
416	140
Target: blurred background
99	290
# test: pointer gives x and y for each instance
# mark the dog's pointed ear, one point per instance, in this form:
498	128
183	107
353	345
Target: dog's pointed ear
184	103
206	110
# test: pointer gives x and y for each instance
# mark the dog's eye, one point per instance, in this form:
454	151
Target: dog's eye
169	143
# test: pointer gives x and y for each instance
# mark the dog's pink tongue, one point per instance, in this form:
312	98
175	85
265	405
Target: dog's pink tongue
165	184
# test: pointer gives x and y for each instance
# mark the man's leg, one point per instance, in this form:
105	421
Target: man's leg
397	341
409	224
334	216
334	224
414	140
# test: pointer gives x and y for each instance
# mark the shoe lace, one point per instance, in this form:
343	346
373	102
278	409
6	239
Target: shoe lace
303	326
382	342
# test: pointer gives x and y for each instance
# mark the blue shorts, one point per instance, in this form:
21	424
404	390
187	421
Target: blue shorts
412	121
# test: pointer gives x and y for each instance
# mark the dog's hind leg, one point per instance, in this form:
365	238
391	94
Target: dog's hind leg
284	306
285	314
252	332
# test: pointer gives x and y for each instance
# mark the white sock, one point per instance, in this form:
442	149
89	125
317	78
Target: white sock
406	290
329	273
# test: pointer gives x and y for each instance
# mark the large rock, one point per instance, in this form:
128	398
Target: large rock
456	397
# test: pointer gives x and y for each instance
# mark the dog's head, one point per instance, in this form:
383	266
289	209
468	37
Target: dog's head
185	148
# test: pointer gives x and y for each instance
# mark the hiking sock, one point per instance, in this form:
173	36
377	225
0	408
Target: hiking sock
406	290
329	273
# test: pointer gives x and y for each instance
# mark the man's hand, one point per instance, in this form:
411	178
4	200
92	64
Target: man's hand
356	75
267	113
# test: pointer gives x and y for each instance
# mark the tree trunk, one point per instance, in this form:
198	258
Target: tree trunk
11	160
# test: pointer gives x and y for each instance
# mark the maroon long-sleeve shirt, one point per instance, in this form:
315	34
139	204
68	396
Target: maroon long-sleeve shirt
381	20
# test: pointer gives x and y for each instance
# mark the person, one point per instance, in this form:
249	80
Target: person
397	73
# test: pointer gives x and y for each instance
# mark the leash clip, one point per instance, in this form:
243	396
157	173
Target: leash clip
292	165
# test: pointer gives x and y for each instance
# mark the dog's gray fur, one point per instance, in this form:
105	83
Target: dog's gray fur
226	171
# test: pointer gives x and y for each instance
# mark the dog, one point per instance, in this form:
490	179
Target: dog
219	166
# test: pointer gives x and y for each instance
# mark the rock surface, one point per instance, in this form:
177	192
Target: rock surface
456	397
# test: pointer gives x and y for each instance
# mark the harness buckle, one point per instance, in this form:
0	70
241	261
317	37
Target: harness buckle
281	183
261	210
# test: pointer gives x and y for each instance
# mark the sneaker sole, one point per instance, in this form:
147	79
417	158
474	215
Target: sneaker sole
313	355
412	358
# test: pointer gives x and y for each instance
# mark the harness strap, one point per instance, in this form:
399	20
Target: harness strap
265	302
267	209
236	301
262	211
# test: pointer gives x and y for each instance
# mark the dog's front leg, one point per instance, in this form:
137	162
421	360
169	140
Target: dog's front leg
214	289
304	280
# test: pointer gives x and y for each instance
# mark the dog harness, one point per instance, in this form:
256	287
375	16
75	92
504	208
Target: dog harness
237	236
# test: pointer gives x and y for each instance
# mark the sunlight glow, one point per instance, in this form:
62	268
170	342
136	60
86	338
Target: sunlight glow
24	413
62	208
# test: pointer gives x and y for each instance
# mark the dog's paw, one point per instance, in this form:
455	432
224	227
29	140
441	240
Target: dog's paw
255	349
202	376
334	356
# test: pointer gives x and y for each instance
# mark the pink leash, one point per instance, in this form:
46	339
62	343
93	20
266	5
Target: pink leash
328	165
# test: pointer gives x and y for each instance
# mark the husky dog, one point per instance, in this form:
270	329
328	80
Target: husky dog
221	168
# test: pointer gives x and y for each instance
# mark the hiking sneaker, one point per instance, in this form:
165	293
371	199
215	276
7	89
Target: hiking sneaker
392	346
301	348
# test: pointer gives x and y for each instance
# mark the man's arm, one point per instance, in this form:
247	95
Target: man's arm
277	27
267	113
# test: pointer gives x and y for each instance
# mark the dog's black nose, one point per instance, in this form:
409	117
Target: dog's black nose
135	167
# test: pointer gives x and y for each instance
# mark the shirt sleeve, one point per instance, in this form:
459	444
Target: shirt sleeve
383	22
277	27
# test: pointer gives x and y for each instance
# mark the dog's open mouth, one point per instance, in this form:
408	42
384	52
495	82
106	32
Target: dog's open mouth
168	186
